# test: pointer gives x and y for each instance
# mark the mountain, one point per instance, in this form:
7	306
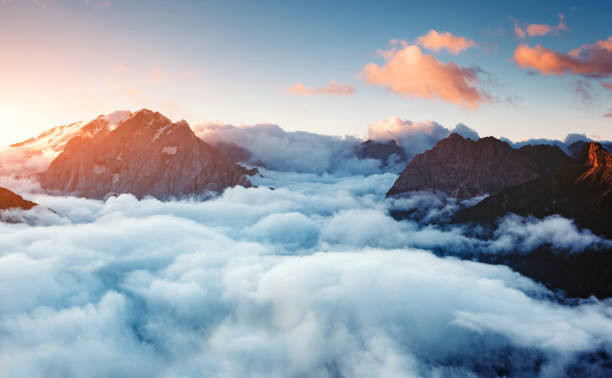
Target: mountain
575	148
581	191
53	140
388	152
465	168
10	200
145	154
29	158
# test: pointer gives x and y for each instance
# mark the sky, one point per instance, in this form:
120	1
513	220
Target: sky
514	69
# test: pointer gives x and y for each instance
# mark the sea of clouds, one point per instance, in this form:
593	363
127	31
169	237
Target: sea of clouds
305	275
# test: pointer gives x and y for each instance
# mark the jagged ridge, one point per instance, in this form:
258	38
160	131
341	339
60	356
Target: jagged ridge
465	168
146	154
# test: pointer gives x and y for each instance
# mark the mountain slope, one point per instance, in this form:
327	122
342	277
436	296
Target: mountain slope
10	200
465	168
146	154
581	191
33	156
388	152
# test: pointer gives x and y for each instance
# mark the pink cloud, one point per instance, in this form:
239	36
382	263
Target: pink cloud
519	32
538	30
409	72
333	88
438	41
593	60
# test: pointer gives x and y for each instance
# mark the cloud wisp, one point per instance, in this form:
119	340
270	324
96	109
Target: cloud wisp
538	30
333	88
436	41
591	60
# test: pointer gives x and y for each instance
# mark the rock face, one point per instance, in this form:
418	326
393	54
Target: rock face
576	148
581	191
388	152
10	200
144	155
465	168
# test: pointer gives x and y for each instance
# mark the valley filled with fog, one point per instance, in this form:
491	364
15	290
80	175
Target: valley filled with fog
304	274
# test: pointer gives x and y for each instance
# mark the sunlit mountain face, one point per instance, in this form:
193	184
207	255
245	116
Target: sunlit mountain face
331	190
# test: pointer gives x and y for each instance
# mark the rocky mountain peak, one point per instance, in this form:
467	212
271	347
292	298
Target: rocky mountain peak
464	168
387	151
594	155
146	154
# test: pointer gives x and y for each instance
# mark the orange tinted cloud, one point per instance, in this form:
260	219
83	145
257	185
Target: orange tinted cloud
538	30
438	41
409	72
588	60
333	88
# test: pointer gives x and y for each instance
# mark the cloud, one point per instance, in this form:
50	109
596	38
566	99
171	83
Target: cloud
593	60
409	72
535	30
444	41
311	278
584	90
526	234
562	144
538	30
305	152
333	88
415	137
519	32
297	151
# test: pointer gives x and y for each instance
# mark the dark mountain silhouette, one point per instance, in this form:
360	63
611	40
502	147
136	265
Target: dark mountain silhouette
581	191
465	168
146	154
388	152
10	200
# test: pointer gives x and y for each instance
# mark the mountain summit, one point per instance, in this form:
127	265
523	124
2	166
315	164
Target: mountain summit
145	154
464	168
581	191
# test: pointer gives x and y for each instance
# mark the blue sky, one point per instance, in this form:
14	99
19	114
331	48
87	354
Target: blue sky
233	61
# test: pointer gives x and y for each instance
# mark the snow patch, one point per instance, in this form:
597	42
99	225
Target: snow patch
116	178
170	150
115	118
159	132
